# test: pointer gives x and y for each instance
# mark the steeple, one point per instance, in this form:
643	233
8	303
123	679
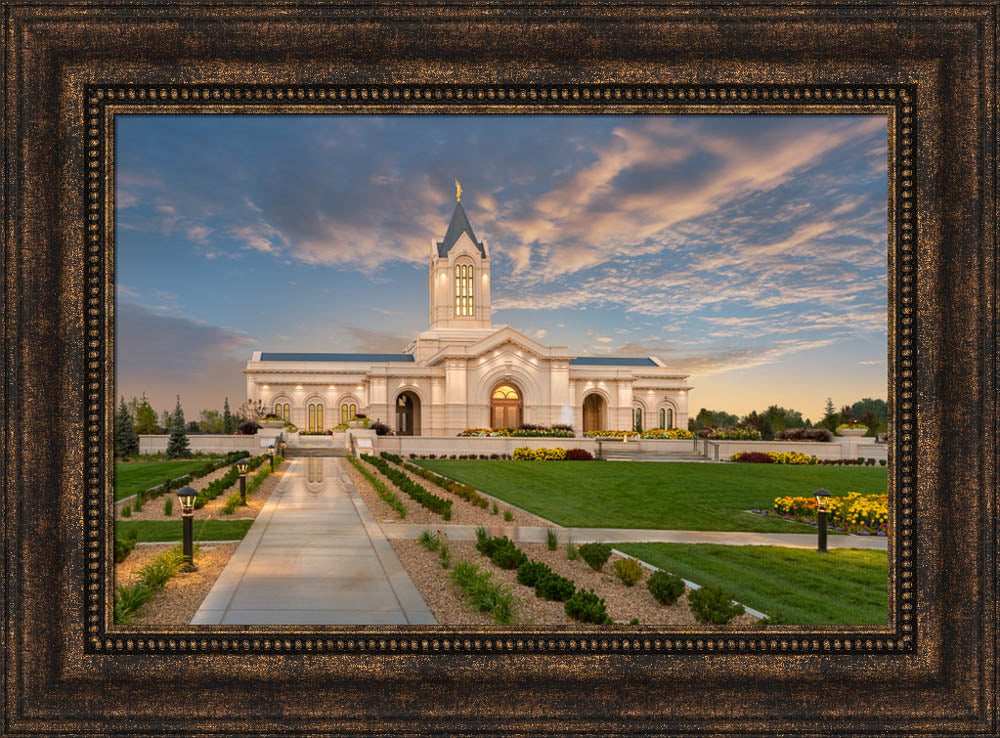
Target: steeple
459	224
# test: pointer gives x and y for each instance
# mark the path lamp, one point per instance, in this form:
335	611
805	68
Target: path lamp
270	450
186	495
822	508
243	466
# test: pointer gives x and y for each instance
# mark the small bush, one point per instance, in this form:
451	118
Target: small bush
482	593
129	599
806	434
530	572
502	552
572	551
508	515
554	587
629	571
595	554
882	462
587	607
494	510
578	454
168	506
712	605
551	540
665	587
429	541
124	546
126	511
444	554
481	535
232	502
752	457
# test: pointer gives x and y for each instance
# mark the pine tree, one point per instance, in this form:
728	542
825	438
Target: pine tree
228	421
126	440
177	446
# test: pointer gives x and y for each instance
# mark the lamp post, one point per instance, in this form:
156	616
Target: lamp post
243	466
186	495
822	507
270	451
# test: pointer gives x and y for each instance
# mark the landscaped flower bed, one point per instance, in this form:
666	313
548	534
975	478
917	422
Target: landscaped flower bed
429	500
673	434
772	457
733	434
853	513
528	431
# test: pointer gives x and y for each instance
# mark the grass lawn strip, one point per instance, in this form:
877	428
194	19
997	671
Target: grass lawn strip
170	530
793	586
132	477
662	496
467	512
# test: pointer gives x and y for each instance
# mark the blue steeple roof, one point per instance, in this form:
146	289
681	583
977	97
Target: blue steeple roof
459	224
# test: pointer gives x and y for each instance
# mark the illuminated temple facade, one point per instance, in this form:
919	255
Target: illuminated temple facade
464	372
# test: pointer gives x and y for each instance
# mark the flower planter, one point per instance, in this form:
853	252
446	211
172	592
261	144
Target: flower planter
271	423
853	432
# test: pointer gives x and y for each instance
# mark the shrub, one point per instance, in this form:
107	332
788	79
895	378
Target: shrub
530	572
429	540
595	554
629	571
665	587
483	594
465	491
381	429
554	587
882	462
502	552
671	433
129	599
168	506
734	434
752	457
523	453
551	539
247	428
444	554
712	605
579	454
431	501
137	505
126	511
494	510
124	545
481	535
587	607
232	502
572	551
508	515
806	434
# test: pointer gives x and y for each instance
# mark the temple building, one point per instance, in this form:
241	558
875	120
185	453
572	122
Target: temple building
465	372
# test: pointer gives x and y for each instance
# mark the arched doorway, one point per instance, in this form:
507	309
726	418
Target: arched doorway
407	414
593	412
505	407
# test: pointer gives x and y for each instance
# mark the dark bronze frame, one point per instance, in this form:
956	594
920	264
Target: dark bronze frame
70	68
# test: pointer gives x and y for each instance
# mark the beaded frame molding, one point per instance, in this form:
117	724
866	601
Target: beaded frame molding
103	103
70	67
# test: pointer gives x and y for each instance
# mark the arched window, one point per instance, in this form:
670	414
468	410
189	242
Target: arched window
347	412
637	419
282	410
663	418
315	417
464	290
670	417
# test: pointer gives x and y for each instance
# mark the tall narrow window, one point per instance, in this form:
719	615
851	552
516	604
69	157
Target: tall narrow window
670	417
319	417
663	418
344	417
312	417
354	410
286	411
464	290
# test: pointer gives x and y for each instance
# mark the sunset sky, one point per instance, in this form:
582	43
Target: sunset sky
749	251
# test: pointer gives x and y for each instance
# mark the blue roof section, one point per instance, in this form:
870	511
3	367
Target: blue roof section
459	224
612	361
335	357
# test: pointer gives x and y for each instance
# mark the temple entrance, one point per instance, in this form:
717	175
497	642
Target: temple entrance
593	412
505	407
407	414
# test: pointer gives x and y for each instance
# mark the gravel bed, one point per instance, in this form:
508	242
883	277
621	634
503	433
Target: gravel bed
623	603
184	592
462	512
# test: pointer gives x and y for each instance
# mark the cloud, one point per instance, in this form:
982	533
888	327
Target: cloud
362	339
166	355
722	360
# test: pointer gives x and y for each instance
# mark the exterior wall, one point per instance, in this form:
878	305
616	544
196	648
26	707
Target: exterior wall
404	445
840	448
208	443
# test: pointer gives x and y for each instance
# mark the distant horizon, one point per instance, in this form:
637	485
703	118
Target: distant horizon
748	251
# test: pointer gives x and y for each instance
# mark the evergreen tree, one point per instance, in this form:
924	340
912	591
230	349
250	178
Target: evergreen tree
228	421
126	441
177	446
831	419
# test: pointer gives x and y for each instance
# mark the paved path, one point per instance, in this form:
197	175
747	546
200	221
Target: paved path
536	534
314	556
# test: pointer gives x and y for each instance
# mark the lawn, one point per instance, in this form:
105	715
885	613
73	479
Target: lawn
797	586
668	496
133	476
170	530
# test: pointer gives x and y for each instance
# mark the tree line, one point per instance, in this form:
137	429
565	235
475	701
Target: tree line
870	412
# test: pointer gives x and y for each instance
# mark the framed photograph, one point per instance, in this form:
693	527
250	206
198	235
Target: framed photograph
434	370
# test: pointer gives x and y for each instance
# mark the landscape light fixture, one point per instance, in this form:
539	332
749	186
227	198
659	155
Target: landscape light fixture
822	508
243	466
186	496
270	451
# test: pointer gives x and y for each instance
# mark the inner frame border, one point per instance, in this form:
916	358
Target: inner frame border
103	102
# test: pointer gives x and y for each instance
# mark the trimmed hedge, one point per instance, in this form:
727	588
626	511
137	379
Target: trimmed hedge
223	483
384	492
170	485
431	501
465	491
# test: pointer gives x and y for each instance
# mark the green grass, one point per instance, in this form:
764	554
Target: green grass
133	476
668	496
170	530
798	586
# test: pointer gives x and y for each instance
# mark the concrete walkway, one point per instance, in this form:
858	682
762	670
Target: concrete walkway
314	556
537	534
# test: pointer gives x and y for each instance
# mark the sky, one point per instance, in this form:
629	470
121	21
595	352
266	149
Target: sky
749	251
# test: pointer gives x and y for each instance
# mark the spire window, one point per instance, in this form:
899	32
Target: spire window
464	290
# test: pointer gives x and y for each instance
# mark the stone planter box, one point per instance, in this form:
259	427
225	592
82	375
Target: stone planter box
853	432
272	423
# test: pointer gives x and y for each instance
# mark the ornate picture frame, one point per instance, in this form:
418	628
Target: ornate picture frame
69	69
